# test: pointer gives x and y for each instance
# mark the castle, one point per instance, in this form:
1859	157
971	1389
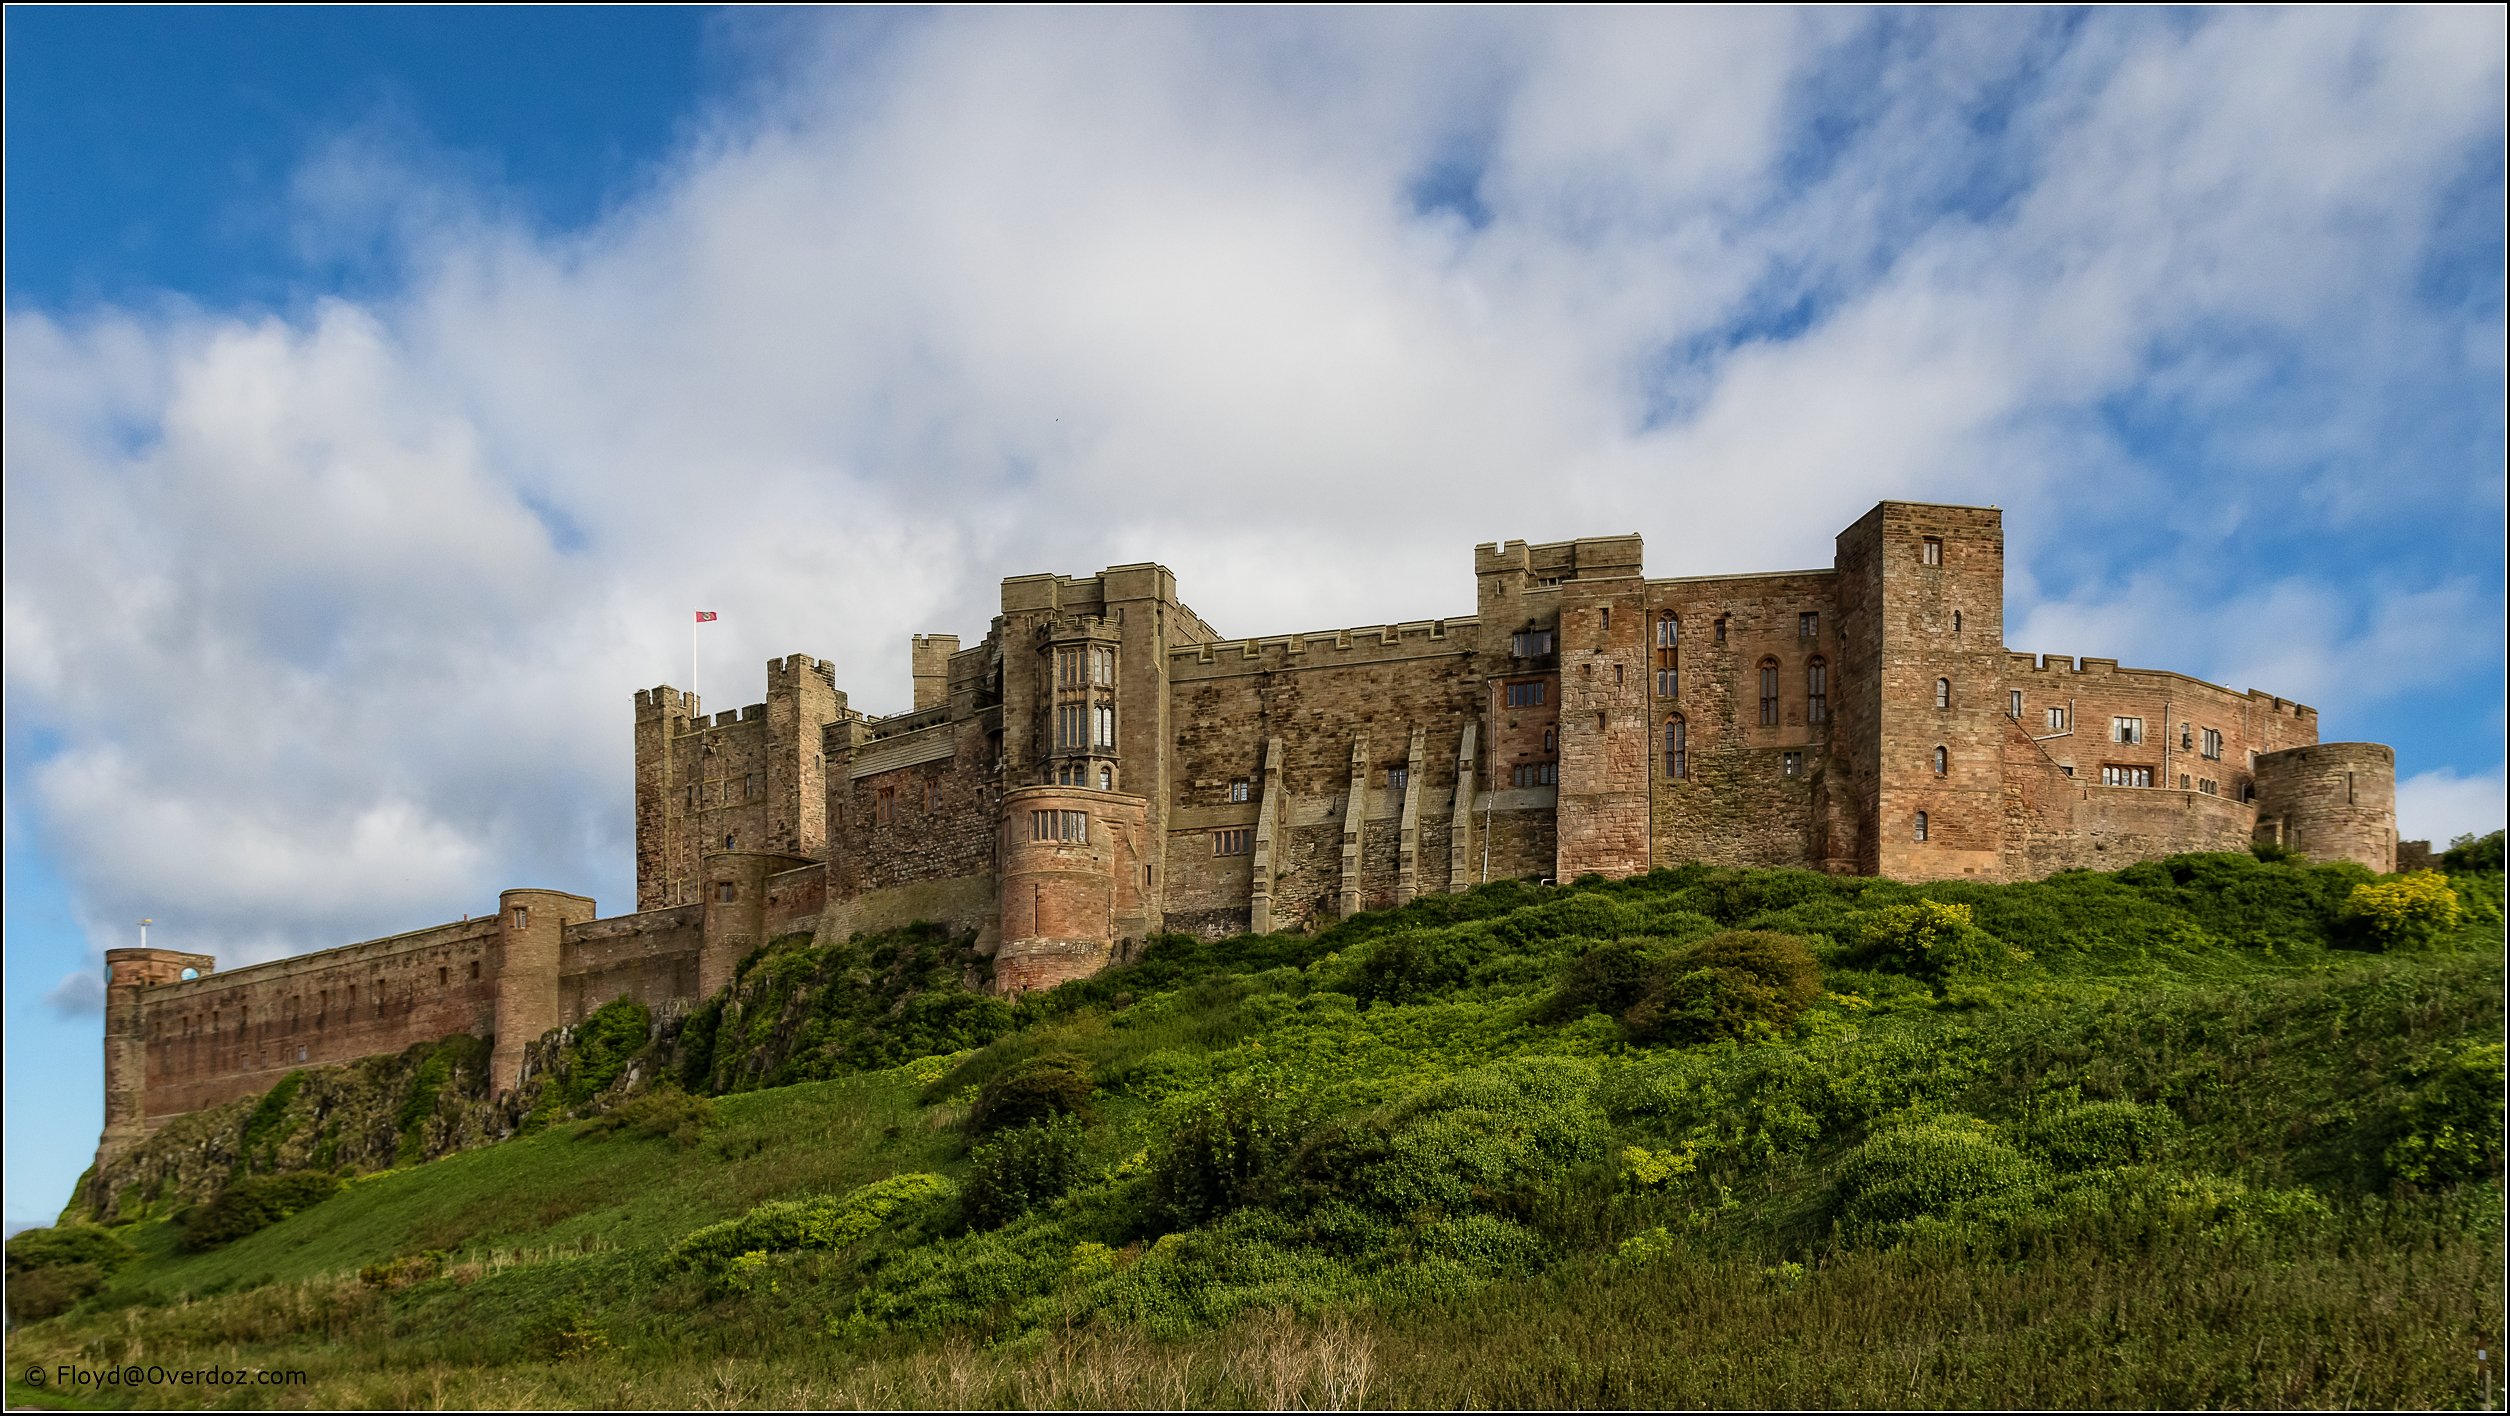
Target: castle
1104	766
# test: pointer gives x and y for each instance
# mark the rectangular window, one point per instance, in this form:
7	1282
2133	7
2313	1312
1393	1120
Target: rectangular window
1536	774
1791	764
2016	708
1721	629
1533	643
1241	790
2213	744
725	891
2126	730
1932	553
1817	691
2056	720
1668	631
1059	826
2116	776
1071	726
1808	626
1397	778
1528	695
1668	683
1769	694
1235	841
522	916
1102	666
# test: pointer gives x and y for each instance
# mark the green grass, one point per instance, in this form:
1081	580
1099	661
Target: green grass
2156	1162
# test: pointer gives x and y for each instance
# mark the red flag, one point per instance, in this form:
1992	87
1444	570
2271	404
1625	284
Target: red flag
705	615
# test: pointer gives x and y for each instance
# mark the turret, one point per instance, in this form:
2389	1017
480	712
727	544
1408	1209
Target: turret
2331	801
127	973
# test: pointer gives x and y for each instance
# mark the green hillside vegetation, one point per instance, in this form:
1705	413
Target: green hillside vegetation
2217	1130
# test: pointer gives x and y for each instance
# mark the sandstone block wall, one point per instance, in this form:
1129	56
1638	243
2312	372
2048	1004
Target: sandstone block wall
2331	801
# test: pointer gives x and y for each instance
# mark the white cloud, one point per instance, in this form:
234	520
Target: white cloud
2441	805
79	994
334	616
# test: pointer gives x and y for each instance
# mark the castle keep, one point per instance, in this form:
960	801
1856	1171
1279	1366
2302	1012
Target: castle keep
1103	766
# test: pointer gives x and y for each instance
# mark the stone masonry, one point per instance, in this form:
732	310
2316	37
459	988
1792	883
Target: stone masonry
1103	766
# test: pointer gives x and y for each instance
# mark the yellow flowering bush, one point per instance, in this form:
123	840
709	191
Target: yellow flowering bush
2403	912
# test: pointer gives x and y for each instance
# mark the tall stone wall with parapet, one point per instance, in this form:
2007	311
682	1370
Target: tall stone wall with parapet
2190	735
2058	822
1736	801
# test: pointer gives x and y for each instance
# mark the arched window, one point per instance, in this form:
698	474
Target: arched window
1677	747
1817	690
1943	693
1106	779
1769	693
1943	762
1668	630
1921	825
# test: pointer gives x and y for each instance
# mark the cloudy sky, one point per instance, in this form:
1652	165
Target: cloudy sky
383	389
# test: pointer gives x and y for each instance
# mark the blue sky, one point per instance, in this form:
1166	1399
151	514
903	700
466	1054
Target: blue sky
385	386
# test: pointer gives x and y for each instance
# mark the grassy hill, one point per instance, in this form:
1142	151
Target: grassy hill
2210	1131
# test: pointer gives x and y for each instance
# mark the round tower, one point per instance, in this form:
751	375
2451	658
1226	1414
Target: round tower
531	926
1074	880
2331	801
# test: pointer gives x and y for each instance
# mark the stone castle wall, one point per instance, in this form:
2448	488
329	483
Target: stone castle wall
1584	718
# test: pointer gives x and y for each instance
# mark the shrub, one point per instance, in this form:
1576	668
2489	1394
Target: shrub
2103	1134
1608	978
254	1202
665	1113
1727	985
1494	1136
1921	1168
1931	940
2452	1125
2470	854
1224	1153
50	1270
1039	1089
819	1222
2407	912
1023	1168
1408	965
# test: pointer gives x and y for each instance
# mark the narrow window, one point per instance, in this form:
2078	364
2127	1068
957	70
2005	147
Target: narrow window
2187	738
1106	779
1551	739
1106	715
1933	551
1677	747
726	892
1769	693
1241	790
1398	778
1808	625
440	978
522	916
1943	762
2015	711
1921	816
1607	619
1668	672
1668	630
1956	621
474	970
1721	629
1817	690
727	842
885	805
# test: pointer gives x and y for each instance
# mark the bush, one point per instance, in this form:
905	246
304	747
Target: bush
1494	1136
1921	1168
665	1113
820	1222
1409	965
254	1202
1931	940
1608	978
2104	1134
1727	985
1224	1153
2470	855
1022	1169
2452	1126
1039	1089
2407	912
50	1270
